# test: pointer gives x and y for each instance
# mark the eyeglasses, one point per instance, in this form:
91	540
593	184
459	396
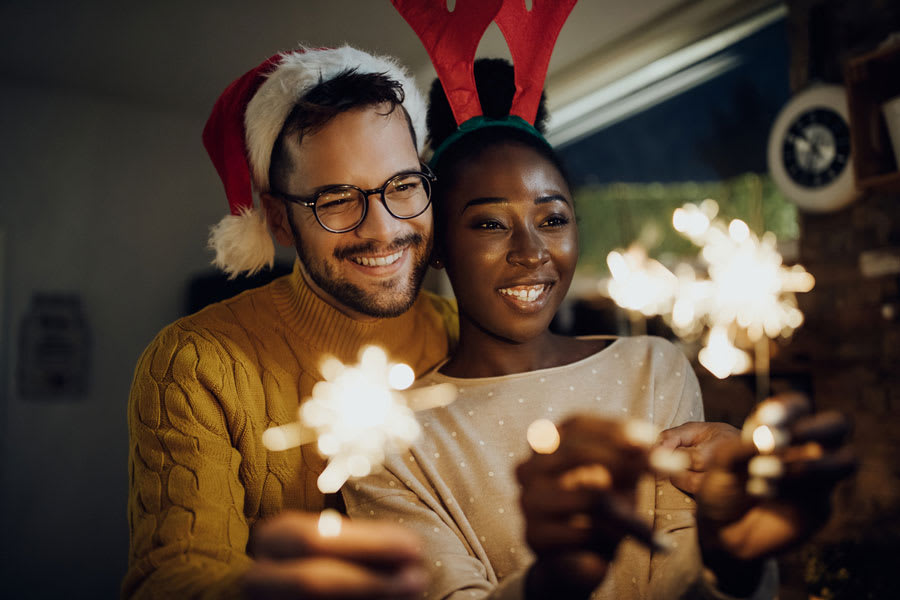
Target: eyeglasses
343	208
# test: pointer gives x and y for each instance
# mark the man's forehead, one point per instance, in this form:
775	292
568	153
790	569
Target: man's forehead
362	146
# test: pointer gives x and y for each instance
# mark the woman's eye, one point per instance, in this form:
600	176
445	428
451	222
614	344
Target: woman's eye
489	225
556	221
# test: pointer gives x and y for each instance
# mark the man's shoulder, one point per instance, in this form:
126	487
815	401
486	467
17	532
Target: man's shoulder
226	319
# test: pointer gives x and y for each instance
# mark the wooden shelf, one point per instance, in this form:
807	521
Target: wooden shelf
872	79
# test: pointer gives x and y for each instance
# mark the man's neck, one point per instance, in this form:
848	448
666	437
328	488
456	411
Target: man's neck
331	300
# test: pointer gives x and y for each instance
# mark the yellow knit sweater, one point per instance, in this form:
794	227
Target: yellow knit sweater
205	390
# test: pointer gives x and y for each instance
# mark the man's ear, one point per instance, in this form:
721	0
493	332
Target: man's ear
276	217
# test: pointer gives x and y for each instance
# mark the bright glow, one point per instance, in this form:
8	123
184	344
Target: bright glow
640	433
587	477
543	436
286	436
746	288
401	376
764	439
357	416
767	466
639	283
721	357
738	231
668	461
330	523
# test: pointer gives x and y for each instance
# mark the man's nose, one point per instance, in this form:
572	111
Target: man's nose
379	224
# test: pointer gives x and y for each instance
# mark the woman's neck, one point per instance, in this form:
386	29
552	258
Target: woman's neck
481	354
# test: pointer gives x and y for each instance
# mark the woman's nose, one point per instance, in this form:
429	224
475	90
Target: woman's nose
528	250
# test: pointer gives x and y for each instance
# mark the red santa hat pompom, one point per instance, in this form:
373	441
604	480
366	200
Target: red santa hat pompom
245	123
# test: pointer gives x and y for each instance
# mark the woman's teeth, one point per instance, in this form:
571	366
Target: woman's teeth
525	293
379	261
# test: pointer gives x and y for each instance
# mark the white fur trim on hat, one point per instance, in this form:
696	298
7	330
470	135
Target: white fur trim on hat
242	243
298	73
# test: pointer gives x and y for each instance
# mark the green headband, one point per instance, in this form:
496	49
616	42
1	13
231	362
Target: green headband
481	122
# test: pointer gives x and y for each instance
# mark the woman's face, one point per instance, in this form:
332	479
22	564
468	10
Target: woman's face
509	241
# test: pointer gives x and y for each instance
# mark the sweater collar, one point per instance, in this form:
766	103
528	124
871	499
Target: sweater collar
325	328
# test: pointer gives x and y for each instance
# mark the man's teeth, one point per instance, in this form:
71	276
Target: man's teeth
525	293
379	261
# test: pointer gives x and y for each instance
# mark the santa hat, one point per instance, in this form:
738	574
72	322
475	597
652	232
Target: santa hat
245	123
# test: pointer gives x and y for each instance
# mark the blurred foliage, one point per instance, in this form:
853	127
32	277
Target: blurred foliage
615	215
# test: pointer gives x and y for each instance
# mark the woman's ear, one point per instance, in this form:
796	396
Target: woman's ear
276	217
435	261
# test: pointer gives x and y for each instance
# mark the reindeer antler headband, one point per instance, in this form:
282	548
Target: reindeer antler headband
451	39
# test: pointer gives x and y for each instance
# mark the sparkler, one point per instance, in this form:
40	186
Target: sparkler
746	289
767	428
358	415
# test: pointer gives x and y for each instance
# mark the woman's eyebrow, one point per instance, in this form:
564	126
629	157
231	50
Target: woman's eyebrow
484	200
551	198
500	200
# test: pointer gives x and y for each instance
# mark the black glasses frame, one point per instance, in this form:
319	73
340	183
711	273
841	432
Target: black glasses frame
310	201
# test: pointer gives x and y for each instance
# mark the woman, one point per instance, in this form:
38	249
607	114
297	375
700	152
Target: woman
506	234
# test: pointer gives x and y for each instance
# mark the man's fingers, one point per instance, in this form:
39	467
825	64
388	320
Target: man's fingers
295	534
324	578
552	501
829	428
828	467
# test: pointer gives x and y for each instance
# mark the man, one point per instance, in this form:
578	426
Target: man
329	138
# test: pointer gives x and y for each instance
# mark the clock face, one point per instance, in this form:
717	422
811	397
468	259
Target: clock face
809	154
816	147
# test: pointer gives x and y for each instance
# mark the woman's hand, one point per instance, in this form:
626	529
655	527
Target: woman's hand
699	440
578	504
736	527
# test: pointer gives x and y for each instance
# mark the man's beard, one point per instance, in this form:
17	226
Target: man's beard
396	299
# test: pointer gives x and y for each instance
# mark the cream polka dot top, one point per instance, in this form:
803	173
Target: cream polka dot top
456	486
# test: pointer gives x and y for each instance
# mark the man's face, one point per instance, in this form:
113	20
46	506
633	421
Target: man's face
376	269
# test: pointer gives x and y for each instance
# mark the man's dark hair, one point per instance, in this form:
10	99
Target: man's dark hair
326	100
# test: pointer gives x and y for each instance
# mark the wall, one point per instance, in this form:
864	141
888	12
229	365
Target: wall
110	200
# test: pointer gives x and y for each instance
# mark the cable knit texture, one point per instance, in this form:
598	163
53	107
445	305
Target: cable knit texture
203	393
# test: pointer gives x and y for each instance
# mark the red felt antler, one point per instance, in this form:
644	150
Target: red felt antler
451	39
531	36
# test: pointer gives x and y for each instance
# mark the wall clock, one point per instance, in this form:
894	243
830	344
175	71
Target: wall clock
809	150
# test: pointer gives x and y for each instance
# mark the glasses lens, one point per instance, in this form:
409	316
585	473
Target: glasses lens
340	209
407	195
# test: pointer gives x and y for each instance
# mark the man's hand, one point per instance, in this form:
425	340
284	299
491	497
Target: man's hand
367	560
578	504
735	527
700	441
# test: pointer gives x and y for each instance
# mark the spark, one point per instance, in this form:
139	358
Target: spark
358	415
745	289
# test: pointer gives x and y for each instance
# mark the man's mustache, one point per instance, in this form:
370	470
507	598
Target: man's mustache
411	239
